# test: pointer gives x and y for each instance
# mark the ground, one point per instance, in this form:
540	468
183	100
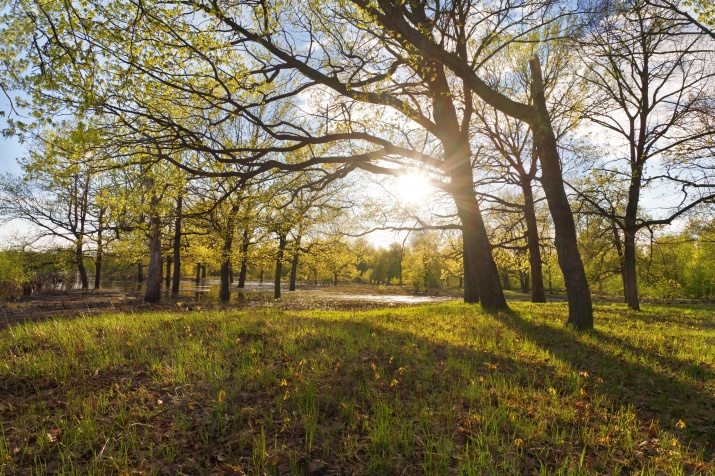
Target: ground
296	387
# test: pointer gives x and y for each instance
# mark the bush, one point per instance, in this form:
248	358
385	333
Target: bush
13	275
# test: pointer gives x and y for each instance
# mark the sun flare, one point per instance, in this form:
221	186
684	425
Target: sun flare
412	189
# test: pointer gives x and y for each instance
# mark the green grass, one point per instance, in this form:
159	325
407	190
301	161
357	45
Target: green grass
439	389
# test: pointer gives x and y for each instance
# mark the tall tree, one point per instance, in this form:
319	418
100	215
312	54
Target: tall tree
650	74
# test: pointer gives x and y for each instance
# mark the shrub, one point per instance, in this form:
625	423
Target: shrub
13	275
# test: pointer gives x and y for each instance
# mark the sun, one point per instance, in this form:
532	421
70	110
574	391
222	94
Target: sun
412	189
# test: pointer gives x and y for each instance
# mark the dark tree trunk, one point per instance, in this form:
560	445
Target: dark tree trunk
619	250
577	289
225	292
294	270
294	263
79	258
98	269
335	278
203	271
176	278
198	274
629	271
279	266
481	278
261	278
532	241
524	281
152	293
244	260
140	272
230	275
167	278
100	251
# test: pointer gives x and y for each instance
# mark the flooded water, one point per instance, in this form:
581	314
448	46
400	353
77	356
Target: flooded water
208	289
344	295
388	298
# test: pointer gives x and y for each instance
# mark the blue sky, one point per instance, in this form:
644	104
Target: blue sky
10	148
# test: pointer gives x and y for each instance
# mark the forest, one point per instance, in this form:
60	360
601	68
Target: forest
550	162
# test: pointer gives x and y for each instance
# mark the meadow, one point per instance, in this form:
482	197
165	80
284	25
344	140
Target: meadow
432	389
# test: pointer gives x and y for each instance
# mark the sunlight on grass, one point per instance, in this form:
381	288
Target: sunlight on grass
423	390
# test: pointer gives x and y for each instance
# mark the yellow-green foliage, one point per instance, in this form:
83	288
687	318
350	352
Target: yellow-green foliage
12	274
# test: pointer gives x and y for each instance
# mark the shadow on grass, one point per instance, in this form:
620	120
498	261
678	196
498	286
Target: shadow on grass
447	404
663	395
267	370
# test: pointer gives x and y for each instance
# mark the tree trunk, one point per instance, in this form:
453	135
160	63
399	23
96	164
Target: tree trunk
294	270
167	278
261	278
152	293
335	278
629	270
176	278
198	274
577	289
79	257
294	263
98	269
100	251
244	260
279	266
225	292
481	278
524	281
203	271
140	272
532	242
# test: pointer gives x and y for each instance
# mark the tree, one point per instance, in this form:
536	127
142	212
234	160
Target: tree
385	61
58	189
650	76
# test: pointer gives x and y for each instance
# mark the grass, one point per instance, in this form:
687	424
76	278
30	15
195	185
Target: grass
437	389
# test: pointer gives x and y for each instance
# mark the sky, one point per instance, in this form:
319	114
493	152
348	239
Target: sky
10	150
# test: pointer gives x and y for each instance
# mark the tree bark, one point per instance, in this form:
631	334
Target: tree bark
481	278
532	242
225	292
569	257
294	263
100	251
79	258
167	278
294	270
176	278
279	266
630	279
244	260
152	293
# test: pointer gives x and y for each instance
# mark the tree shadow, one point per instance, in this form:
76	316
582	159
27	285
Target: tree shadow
366	362
655	394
